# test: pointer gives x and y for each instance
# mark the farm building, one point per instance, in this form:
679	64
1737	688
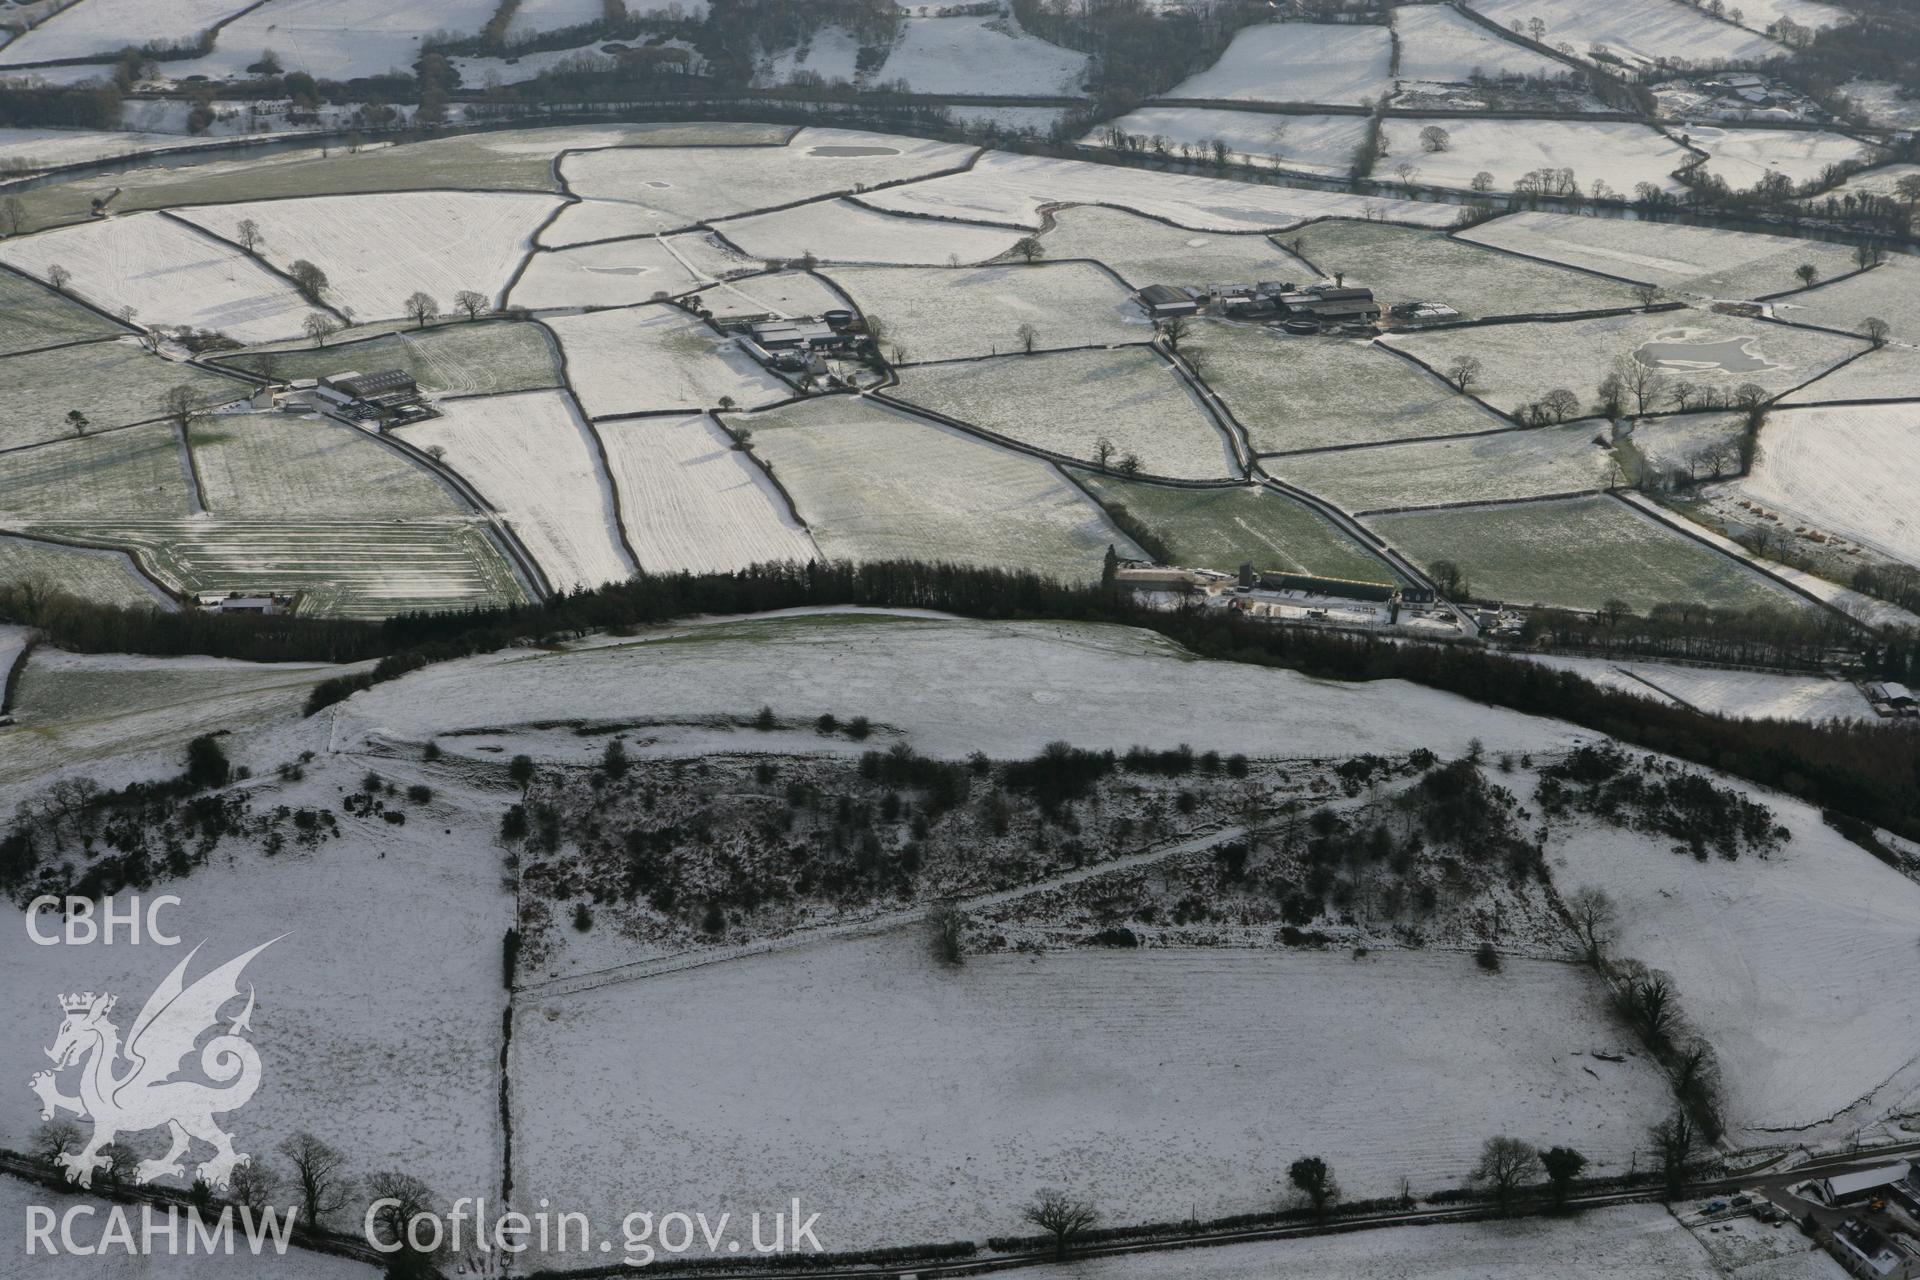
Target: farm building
387	394
1856	1188
1331	304
1344	588
1163	301
264	604
1872	1255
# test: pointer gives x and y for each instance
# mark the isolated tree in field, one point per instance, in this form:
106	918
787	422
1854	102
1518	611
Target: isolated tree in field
1173	330
1561	403
58	276
78	421
1647	293
1313	1179
946	933
1563	1165
318	325
1482	182
1594	917
420	308
1060	1216
1103	451
405	1198
13	215
1875	329
1673	1140
1503	1168
183	405
319	1177
1435	139
470	301
309	279
1406	171
1027	336
1807	272
247	235
1464	372
253	1185
1030	248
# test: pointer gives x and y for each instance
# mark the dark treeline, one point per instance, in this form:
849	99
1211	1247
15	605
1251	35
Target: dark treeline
1867	770
1762	637
1137	50
80	107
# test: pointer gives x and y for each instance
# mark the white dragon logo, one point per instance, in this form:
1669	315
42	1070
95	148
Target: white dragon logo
149	1094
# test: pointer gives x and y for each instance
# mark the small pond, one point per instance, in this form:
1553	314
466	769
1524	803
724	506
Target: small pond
854	151
1702	355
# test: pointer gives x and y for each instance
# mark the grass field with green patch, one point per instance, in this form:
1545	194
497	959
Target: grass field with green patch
1312	392
118	474
511	160
103	577
359	568
1404	264
1066	402
1223	528
1436	473
112	383
33	316
1577	554
875	484
460	358
271	464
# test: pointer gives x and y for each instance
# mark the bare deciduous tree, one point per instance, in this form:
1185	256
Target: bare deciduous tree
318	1177
309	279
1435	139
947	931
1027	336
1594	917
1061	1216
1464	372
1030	248
1313	1178
1876	331
420	307
58	276
470	301
247	235
318	325
1503	1168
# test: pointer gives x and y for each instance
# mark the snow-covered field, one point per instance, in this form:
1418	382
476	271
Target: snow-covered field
335	39
1440	45
378	1012
1883	103
1521	362
691	501
1884	293
1850	470
666	187
1629	1242
47	148
876	484
377	250
1055	1070
169	273
267	464
1298	62
1891	373
1883	182
102	26
1640	31
1710	261
1310	144
786	293
947	686
974	55
531	457
1744	156
1004	187
1310	392
123	384
976	311
1771	956
1068	401
606	275
1745	695
1143	251
1513	464
1619	153
641	358
534	16
842	231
